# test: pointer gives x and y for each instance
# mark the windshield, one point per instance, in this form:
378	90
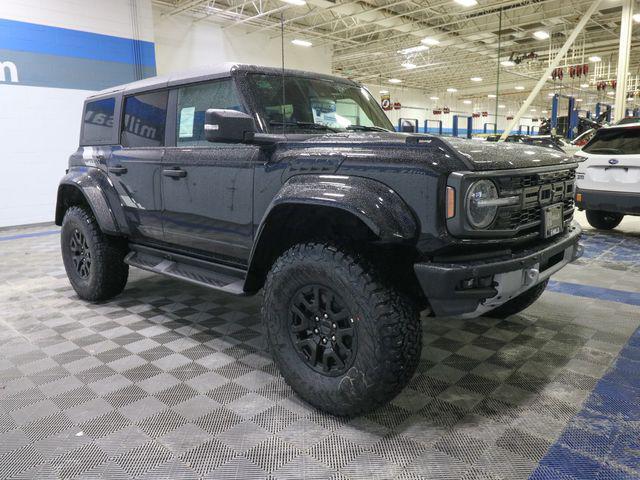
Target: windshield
314	106
621	141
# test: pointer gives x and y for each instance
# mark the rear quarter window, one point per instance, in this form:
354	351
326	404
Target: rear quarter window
97	122
615	141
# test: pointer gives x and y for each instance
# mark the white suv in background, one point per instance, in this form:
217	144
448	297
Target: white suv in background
608	180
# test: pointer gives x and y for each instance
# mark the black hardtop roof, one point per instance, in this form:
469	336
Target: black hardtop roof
203	74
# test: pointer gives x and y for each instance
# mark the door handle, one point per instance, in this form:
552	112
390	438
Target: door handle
117	170
176	172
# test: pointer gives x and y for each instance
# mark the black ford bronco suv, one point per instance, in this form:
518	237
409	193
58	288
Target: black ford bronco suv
243	178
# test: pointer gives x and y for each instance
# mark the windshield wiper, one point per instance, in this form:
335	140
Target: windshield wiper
365	128
307	125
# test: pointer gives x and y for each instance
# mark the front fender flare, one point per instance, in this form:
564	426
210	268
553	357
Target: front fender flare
379	207
99	194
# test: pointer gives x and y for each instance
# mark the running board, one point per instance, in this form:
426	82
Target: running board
182	267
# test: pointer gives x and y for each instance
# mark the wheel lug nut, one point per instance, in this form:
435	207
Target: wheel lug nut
326	316
317	319
333	325
315	330
351	320
324	340
333	338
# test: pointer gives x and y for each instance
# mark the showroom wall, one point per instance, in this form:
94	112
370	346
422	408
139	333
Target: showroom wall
53	54
416	104
183	43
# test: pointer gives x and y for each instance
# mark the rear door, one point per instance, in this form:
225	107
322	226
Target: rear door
613	161
208	187
134	169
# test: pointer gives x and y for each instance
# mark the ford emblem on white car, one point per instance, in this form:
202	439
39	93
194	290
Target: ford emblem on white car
613	161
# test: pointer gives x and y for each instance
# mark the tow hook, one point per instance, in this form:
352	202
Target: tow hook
531	276
577	252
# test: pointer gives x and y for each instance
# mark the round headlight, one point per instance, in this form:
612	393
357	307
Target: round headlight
479	214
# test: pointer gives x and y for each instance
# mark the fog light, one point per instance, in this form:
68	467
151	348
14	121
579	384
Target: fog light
578	197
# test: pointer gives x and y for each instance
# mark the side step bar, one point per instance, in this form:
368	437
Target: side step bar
193	270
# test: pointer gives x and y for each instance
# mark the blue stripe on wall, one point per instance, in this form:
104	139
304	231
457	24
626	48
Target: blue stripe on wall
43	39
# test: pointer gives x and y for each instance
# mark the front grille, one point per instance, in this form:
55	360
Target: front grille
535	191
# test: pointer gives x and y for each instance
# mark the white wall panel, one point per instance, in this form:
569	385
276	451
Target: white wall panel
108	17
182	44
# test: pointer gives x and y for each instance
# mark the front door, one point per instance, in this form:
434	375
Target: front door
207	187
134	169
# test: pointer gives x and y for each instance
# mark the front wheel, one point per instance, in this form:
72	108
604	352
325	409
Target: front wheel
343	340
604	220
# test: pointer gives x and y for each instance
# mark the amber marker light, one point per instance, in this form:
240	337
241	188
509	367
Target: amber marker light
578	197
451	202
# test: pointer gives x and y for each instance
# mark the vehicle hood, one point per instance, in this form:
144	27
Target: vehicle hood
439	153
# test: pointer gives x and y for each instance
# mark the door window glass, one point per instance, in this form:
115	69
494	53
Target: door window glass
193	102
144	120
98	122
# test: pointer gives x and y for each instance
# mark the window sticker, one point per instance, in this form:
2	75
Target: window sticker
187	115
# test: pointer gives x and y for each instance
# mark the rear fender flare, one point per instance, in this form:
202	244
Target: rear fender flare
99	194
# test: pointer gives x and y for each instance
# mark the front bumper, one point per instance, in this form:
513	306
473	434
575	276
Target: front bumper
608	201
506	277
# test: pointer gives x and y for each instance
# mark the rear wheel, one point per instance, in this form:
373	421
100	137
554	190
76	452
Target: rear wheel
94	261
342	339
518	304
604	220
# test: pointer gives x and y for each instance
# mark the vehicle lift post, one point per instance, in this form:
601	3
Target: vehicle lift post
525	126
405	123
426	126
469	125
486	125
572	115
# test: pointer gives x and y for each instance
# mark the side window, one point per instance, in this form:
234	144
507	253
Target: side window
98	121
144	120
194	100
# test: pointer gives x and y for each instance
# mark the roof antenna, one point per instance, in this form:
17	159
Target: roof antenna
282	48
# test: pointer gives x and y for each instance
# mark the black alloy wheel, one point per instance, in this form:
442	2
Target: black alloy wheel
322	330
80	253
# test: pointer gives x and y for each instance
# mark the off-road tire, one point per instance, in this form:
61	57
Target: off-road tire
386	323
107	273
518	304
604	220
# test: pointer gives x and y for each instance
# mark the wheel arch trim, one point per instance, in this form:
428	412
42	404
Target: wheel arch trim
100	196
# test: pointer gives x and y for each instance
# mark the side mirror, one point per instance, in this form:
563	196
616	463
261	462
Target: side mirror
228	126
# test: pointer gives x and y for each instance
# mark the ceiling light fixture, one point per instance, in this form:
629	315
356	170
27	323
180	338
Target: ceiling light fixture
533	110
519	87
301	43
476	79
434	98
452	90
508	63
502	106
578	99
430	41
467	3
491	95
409	65
636	17
584	85
595	58
384	91
395	80
295	2
541	35
417	49
467	102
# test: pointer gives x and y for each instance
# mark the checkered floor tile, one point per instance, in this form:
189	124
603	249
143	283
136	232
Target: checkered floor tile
173	381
